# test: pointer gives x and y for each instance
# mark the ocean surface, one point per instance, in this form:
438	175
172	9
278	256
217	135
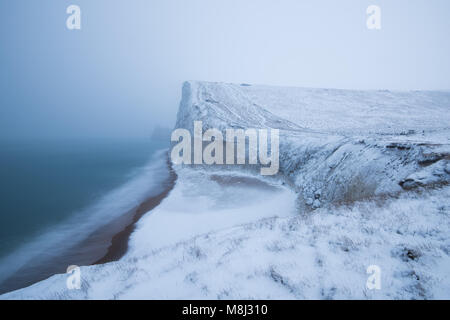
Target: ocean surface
54	193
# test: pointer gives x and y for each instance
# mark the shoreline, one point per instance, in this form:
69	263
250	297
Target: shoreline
119	242
106	244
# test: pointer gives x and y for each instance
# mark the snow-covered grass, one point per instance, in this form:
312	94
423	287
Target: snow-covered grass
321	255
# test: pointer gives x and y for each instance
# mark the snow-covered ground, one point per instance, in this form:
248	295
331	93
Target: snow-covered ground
363	181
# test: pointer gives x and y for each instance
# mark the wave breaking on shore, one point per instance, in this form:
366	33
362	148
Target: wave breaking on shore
87	237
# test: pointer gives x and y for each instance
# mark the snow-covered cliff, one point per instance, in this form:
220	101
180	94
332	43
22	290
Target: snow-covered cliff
363	181
336	145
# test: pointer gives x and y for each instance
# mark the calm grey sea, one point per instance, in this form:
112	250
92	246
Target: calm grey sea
44	185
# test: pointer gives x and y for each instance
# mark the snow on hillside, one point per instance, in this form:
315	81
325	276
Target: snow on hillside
321	256
346	112
336	145
363	181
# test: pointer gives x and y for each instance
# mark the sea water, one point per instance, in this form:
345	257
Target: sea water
54	193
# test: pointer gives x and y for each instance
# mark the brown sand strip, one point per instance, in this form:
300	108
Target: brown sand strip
119	243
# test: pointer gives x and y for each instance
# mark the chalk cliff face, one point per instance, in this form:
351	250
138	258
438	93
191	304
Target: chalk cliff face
363	181
336	145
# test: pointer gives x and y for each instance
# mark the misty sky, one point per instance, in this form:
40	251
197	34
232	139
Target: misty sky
122	72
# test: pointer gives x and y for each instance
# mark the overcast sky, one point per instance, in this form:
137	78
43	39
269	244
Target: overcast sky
122	72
